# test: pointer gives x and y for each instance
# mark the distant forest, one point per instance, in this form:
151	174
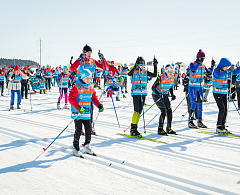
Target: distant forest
19	62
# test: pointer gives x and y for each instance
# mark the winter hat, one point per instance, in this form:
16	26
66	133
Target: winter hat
112	62
25	68
2	71
125	65
86	48
200	54
28	66
65	67
16	68
85	73
224	62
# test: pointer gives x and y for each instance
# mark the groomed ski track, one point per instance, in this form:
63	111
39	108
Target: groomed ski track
190	163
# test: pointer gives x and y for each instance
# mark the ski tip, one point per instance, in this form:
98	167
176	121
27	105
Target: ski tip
81	156
110	164
44	149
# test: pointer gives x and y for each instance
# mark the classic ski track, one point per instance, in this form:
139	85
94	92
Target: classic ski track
200	139
107	124
146	173
139	147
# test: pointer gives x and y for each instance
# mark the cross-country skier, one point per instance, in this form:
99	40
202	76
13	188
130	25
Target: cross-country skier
220	91
139	76
15	86
195	88
162	86
2	75
80	97
124	75
24	82
48	77
64	81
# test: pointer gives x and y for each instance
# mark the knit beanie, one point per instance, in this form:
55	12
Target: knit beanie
200	54
85	73
86	48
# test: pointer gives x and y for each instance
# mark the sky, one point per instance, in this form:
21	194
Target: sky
172	31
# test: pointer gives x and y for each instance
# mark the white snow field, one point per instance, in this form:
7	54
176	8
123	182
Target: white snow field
190	163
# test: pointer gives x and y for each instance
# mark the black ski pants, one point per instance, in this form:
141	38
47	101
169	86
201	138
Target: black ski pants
1	86
48	83
165	106
238	95
138	103
24	87
221	100
78	130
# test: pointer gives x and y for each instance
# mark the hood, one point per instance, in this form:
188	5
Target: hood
224	62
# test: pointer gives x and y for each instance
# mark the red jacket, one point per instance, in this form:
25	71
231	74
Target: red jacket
75	65
74	94
113	69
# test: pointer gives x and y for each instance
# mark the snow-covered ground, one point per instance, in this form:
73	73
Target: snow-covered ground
190	163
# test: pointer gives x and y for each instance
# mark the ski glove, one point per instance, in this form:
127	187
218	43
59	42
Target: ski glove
173	97
81	57
100	55
230	69
155	62
81	109
100	108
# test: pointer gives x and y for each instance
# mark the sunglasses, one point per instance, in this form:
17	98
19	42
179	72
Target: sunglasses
201	59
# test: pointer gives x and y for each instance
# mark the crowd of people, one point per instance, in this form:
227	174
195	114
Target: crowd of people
77	83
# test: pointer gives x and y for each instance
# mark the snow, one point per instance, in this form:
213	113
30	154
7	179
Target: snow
190	163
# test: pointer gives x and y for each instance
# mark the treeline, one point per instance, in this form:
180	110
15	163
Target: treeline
19	62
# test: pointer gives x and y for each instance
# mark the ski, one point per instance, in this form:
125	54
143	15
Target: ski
223	134
142	138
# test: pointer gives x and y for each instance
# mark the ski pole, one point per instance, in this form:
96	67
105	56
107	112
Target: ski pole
180	103
115	111
142	100
236	108
30	100
144	113
44	149
153	118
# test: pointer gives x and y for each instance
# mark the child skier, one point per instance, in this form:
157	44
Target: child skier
220	91
80	98
42	85
124	75
64	81
2	75
15	86
139	90
113	85
162	86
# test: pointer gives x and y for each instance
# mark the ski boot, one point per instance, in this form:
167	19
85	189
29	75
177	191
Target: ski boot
134	131
18	106
200	124
11	107
44	91
94	133
66	106
124	96
220	129
161	131
117	99
82	133
126	91
170	131
76	152
224	127
40	91
58	106
1	94
26	97
191	124
88	150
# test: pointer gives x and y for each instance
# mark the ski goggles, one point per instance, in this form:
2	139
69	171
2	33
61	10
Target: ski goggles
169	69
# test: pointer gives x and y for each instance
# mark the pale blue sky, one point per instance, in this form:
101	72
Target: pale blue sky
172	30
